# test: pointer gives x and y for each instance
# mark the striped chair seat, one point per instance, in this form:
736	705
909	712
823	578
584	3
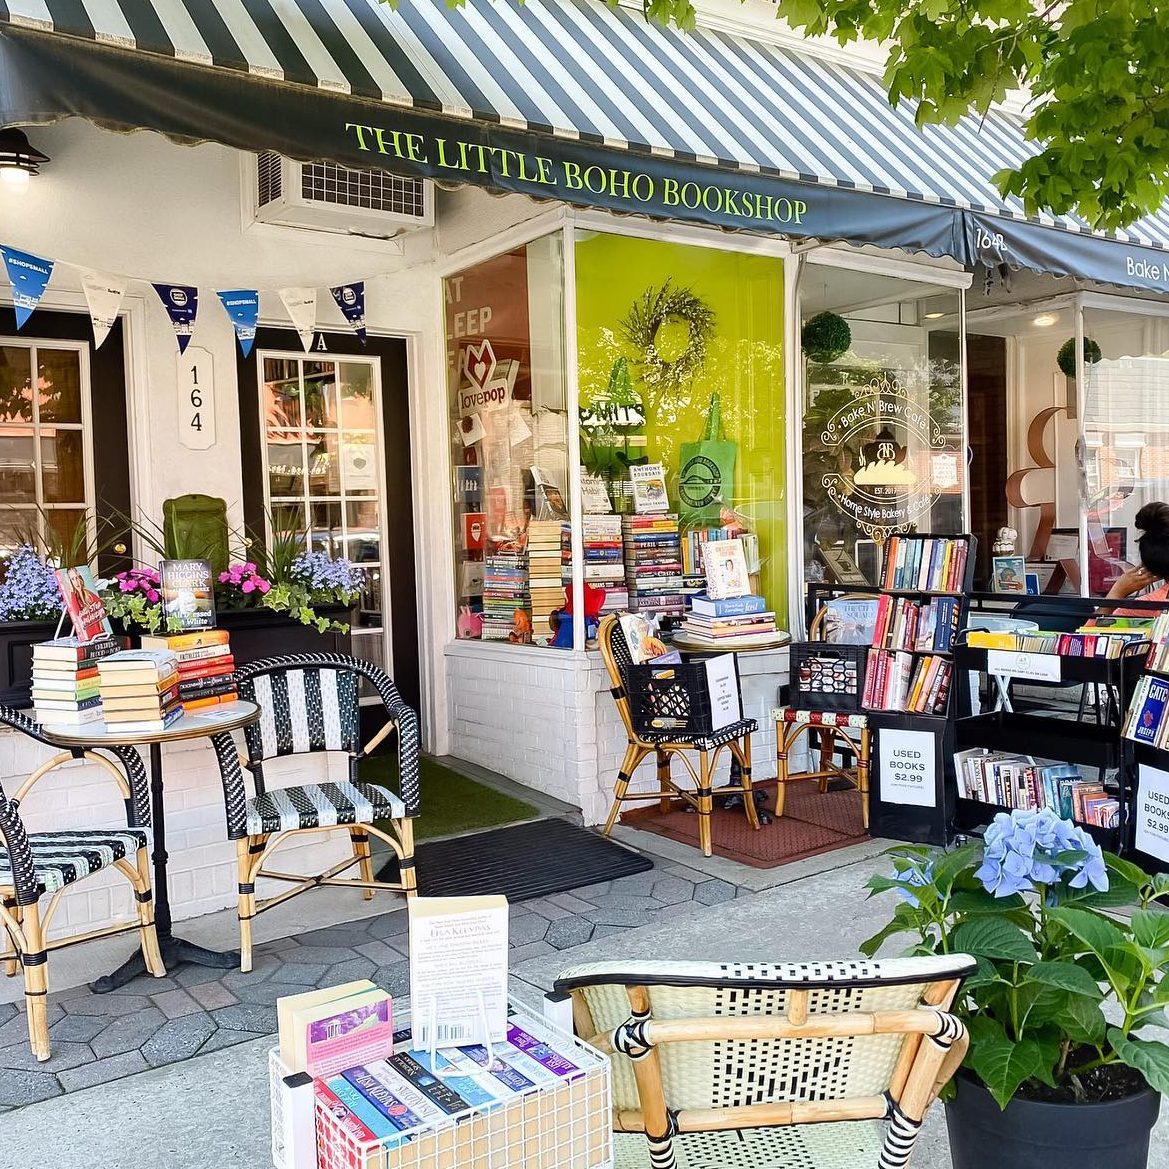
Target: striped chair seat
820	718
727	734
61	858
840	1145
321	805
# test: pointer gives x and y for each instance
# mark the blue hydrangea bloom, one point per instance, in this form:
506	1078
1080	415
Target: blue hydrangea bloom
30	591
321	573
915	876
1020	851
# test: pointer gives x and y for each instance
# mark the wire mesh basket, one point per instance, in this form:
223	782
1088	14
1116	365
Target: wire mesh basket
565	1124
826	676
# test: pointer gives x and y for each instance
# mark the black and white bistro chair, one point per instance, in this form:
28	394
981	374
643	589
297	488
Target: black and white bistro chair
309	704
822	1065
38	867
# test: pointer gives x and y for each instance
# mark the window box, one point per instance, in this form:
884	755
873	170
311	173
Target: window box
16	641
261	633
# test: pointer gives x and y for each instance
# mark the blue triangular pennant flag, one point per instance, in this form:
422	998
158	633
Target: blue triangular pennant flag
30	277
181	302
243	306
350	300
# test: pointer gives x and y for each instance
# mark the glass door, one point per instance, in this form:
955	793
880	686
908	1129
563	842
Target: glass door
321	426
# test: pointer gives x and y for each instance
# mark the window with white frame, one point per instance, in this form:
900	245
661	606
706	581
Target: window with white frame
46	457
322	449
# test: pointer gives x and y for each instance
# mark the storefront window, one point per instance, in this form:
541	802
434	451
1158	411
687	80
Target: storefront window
883	420
509	446
680	352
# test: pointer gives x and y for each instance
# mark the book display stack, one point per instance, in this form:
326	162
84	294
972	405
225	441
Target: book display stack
1087	642
507	604
545	574
743	620
1017	781
65	687
653	563
140	690
206	666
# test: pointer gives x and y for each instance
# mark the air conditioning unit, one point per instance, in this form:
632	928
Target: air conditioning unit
327	197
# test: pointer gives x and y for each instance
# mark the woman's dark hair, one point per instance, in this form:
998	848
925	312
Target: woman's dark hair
1153	521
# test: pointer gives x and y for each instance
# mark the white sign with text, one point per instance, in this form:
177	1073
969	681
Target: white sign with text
1009	663
1152	812
907	763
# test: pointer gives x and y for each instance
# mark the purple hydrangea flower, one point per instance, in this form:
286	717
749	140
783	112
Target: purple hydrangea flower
1021	850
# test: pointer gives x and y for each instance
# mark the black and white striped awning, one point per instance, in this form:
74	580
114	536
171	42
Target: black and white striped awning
571	79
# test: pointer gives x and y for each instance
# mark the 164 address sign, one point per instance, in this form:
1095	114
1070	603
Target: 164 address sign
196	404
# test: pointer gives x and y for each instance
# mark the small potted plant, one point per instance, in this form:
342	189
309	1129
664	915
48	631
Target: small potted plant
1066	1065
30	611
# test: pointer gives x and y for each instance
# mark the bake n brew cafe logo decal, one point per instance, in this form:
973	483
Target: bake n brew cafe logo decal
882	492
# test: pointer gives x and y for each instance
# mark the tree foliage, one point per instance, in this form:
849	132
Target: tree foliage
1097	72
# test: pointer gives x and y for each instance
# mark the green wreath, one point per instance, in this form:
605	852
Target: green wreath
1066	358
670	328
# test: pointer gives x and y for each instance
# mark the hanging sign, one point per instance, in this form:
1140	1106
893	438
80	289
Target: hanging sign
301	306
103	295
181	302
196	404
350	300
30	277
907	767
243	307
1152	812
1035	667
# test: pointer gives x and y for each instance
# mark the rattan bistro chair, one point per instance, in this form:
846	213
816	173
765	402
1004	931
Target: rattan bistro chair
40	865
824	1065
309	704
666	745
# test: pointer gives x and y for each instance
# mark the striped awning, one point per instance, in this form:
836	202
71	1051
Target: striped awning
558	76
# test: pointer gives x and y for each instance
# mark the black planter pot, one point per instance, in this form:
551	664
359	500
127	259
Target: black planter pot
261	633
1028	1134
16	641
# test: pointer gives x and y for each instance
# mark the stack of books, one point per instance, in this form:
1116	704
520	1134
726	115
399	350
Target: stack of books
653	563
507	613
904	681
743	620
65	685
928	564
206	666
1017	781
545	580
323	1032
603	550
902	623
694	538
140	690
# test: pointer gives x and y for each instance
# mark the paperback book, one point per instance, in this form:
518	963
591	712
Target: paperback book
188	593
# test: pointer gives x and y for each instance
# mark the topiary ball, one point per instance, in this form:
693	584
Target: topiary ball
825	337
1066	358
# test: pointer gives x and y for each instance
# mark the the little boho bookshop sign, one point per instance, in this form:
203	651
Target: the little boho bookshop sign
907	766
1152	813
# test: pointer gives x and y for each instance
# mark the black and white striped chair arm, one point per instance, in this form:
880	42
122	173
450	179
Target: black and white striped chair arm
235	792
138	805
950	1029
900	1137
20	859
19	721
631	1038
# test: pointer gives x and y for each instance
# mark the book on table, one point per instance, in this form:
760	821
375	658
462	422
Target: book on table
71	651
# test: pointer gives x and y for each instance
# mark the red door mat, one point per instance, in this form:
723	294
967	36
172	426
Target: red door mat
811	823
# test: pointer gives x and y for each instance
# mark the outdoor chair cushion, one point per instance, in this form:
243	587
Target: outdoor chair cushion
820	718
321	805
719	738
835	1145
61	858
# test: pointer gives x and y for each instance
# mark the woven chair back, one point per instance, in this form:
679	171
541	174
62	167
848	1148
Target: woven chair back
615	654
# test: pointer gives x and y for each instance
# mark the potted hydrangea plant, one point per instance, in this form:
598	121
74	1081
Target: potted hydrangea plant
1066	1063
30	611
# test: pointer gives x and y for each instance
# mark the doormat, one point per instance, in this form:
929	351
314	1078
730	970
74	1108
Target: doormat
521	862
812	823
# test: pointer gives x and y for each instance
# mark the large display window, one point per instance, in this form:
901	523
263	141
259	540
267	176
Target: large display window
884	446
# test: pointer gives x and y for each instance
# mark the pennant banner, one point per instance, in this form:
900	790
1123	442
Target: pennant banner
350	300
301	306
181	302
30	277
104	295
243	306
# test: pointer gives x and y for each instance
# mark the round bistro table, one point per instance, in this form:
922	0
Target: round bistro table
229	716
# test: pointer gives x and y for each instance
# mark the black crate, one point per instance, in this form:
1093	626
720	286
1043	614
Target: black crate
672	697
826	676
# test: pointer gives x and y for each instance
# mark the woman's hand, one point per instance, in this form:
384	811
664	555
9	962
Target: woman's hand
1132	582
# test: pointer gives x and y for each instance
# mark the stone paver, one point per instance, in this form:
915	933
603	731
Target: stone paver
178	1039
23	1087
102	1071
174	1004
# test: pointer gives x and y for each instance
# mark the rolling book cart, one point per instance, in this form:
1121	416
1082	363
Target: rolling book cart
911	784
1098	745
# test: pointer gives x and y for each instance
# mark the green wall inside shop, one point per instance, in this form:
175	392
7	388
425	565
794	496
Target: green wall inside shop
744	365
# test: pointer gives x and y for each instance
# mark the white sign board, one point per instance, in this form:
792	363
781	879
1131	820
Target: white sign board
1009	663
907	766
1152	812
196	399
723	686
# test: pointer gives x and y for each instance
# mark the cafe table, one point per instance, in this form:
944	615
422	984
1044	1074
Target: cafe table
220	720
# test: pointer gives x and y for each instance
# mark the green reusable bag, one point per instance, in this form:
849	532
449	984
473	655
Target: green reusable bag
706	473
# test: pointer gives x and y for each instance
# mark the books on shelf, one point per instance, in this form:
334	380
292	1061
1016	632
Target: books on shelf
140	689
925	564
65	683
1084	643
545	574
748	629
904	623
900	680
653	563
507	613
205	679
695	539
1016	781
1147	720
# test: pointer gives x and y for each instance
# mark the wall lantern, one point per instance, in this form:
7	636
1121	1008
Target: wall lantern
18	159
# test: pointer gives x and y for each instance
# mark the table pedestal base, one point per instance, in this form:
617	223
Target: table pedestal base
176	952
